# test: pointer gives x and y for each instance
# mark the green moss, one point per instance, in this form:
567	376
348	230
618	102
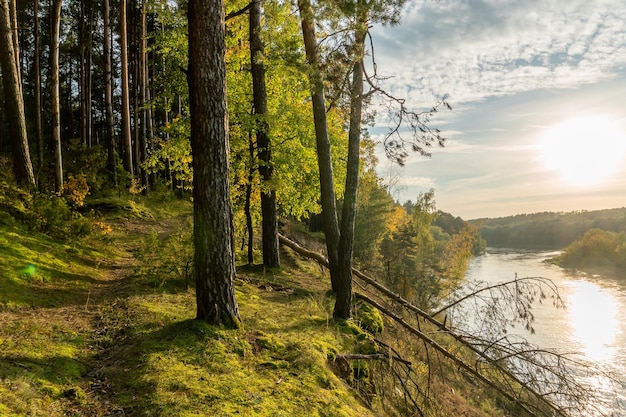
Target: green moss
369	318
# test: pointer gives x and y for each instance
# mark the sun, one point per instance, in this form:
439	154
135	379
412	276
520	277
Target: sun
584	151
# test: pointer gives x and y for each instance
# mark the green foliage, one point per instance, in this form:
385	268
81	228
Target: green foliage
167	259
85	170
174	153
374	206
408	246
597	250
75	190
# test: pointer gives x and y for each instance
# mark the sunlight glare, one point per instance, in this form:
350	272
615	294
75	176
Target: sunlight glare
594	316
584	151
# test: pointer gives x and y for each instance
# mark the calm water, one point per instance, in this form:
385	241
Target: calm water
593	322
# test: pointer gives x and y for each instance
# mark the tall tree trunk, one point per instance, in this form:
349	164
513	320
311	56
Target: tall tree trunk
55	28
142	81
37	72
82	71
108	93
149	115
126	132
248	200
89	80
16	43
213	222
14	110
348	214
269	220
328	199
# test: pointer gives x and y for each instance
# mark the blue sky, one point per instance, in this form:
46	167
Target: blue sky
520	75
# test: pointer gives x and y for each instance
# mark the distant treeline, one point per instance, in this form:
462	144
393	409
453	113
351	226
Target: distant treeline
548	230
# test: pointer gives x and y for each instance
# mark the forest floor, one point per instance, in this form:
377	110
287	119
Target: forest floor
103	326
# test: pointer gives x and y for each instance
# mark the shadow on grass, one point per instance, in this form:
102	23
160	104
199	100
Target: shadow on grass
175	348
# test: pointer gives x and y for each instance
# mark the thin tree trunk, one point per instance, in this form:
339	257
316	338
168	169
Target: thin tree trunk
142	72
135	83
83	73
147	99
16	43
328	199
213	222
126	132
247	204
108	94
348	214
89	131
271	258
55	27
37	72
14	103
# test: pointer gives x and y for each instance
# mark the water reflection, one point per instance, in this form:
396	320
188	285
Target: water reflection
592	324
593	314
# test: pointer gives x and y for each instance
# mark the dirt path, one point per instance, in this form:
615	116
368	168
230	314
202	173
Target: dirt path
107	308
59	328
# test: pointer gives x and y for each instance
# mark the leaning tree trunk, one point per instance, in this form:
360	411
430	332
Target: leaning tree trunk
269	220
213	223
14	104
328	199
55	27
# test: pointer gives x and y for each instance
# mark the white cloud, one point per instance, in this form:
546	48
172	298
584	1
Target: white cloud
476	49
424	182
512	68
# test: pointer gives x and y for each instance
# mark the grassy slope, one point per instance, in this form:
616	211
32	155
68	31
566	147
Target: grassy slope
86	330
81	334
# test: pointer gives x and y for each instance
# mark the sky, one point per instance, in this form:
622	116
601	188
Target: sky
538	96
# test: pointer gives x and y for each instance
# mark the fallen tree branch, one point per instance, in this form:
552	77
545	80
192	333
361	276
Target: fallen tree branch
431	342
372	357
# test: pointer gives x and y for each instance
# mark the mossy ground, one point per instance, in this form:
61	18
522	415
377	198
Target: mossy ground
85	331
103	326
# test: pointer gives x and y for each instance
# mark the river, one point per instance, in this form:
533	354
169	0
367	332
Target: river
593	322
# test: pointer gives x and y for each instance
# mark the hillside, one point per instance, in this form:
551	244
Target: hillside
101	325
548	230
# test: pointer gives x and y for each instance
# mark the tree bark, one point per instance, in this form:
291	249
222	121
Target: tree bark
324	159
348	214
82	74
14	104
213	228
37	74
247	203
143	83
55	28
126	133
271	258
108	93
149	114
16	43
